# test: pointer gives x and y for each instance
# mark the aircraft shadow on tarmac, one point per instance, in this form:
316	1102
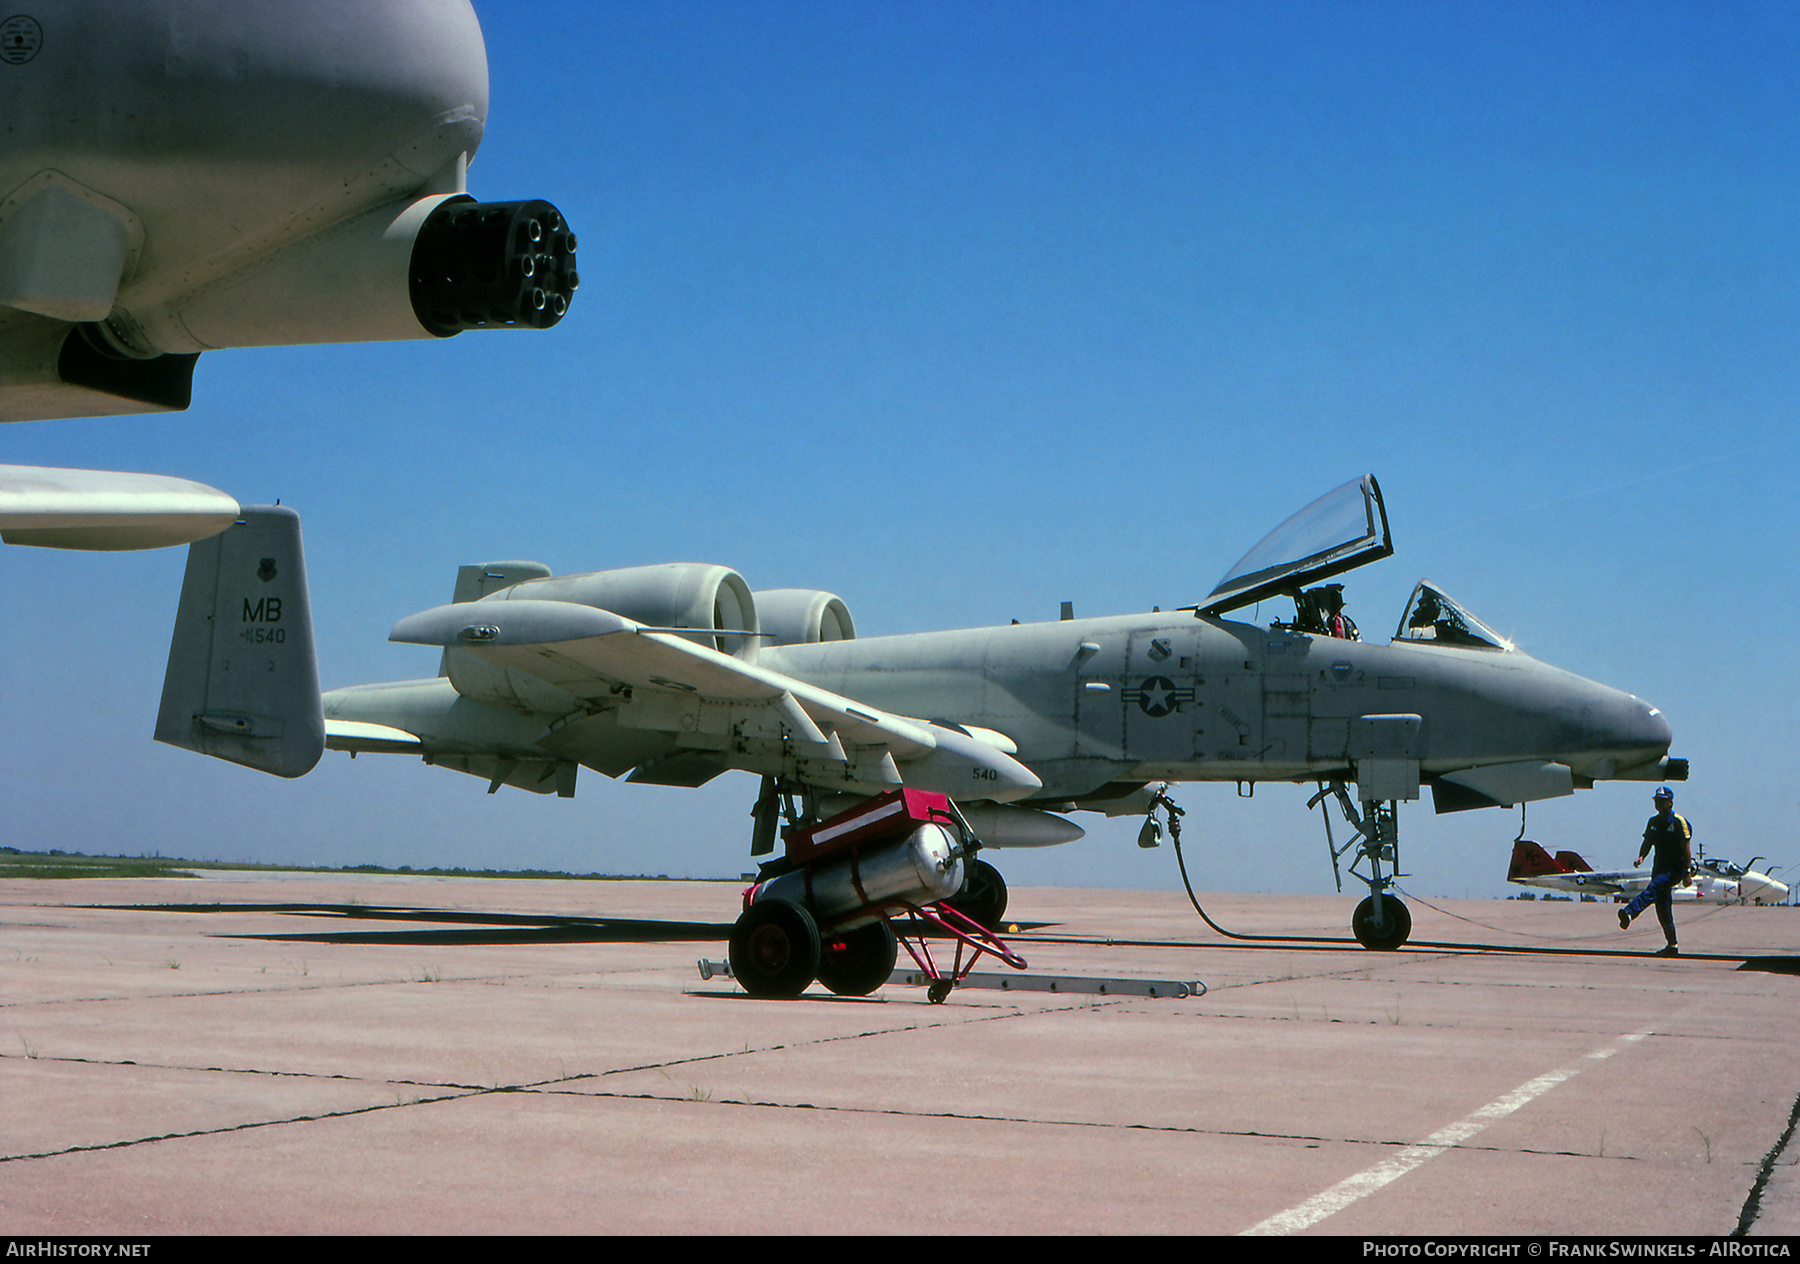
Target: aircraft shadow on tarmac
1773	965
462	927
475	928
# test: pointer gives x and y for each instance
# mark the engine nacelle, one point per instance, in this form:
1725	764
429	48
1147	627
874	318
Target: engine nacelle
686	595
711	605
802	616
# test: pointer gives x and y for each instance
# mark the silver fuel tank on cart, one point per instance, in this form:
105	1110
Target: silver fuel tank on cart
922	868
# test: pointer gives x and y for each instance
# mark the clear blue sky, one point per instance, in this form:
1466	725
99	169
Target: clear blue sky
961	311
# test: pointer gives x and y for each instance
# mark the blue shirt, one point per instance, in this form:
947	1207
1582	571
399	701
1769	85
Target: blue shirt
1669	835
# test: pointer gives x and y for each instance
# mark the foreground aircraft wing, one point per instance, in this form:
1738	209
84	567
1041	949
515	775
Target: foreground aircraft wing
103	510
659	681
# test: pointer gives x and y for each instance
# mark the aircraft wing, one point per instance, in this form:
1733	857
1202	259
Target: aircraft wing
104	510
658	680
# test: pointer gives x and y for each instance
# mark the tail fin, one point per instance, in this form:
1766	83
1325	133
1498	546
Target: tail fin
1573	863
243	679
1531	861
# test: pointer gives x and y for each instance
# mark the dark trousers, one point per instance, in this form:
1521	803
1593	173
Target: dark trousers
1657	893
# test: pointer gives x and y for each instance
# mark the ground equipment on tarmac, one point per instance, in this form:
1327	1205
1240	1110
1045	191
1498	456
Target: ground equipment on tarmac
823	910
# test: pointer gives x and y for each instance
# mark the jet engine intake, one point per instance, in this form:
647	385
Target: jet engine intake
802	616
710	605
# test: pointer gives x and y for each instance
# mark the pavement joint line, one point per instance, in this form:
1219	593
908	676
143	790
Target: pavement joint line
65	1059
1362	1184
128	1143
1753	1201
968	1117
329	986
464	1092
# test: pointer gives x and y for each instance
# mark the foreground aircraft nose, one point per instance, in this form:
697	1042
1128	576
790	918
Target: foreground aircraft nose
1628	739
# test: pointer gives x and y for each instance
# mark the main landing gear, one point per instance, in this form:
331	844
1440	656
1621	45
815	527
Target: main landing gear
1380	922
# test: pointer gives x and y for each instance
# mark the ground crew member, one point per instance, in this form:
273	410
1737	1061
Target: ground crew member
1669	836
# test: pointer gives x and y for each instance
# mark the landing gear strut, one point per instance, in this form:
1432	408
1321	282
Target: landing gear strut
1380	922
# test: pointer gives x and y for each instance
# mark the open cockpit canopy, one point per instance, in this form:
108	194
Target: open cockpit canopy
1339	531
1433	618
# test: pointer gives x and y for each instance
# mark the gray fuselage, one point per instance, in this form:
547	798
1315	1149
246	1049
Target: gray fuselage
1173	697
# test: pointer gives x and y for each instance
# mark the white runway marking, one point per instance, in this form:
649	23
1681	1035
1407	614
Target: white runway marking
1364	1183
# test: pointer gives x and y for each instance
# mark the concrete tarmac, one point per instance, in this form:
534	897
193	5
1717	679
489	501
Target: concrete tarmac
245	1054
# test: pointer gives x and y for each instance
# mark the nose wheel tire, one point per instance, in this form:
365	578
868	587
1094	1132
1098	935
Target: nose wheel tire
1392	929
775	949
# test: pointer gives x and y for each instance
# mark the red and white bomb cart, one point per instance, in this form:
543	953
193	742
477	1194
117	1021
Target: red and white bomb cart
825	909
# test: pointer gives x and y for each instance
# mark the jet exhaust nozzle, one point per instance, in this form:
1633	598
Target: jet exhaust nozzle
476	265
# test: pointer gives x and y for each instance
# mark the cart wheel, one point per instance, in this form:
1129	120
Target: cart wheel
775	949
983	896
939	989
858	961
1390	933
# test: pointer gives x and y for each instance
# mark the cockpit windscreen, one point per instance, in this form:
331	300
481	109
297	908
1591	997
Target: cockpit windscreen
1433	617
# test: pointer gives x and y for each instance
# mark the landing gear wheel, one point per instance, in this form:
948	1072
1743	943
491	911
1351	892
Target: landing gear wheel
1393	929
939	989
983	896
858	961
775	949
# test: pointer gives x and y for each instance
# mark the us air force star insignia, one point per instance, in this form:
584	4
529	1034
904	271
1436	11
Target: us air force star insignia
1158	696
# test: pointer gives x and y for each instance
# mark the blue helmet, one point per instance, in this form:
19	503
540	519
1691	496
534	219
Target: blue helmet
1663	792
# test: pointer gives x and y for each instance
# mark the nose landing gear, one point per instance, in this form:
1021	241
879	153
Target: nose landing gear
1380	922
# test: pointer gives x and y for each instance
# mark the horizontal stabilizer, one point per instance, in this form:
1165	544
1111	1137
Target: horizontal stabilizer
243	681
104	510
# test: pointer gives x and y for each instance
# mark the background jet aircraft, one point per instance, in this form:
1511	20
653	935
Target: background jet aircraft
1715	880
182	177
673	674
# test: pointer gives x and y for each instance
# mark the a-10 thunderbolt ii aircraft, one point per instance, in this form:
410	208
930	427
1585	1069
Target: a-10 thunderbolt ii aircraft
673	674
1715	880
185	176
